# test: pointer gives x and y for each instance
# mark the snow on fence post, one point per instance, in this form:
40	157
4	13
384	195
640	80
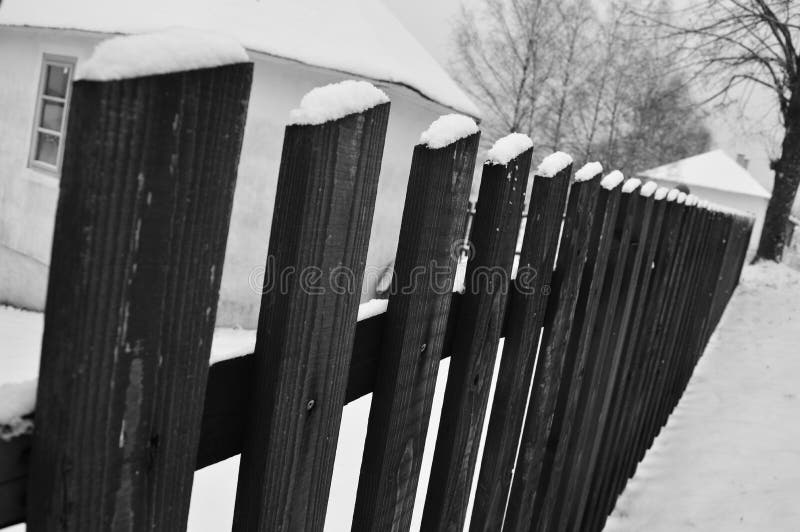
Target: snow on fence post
146	193
526	309
478	328
429	245
324	206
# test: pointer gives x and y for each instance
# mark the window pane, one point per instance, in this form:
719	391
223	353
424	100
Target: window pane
56	83
47	148
52	113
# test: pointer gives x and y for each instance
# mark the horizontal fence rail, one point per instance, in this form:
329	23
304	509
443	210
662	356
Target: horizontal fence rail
618	288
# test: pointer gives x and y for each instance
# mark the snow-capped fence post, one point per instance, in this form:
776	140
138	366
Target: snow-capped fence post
619	304
639	278
324	205
577	238
428	248
526	309
140	233
478	328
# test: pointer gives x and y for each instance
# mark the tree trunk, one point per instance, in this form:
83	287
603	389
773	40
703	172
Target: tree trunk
787	179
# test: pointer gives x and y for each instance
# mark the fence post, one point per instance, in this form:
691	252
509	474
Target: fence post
477	334
429	245
525	316
584	215
324	204
146	193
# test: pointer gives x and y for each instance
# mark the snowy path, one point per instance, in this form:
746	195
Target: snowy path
729	458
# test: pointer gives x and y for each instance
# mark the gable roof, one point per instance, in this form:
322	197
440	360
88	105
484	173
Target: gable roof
359	37
714	169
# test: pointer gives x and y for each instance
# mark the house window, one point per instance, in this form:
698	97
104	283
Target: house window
52	107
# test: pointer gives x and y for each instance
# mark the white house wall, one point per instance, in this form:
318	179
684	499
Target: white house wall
28	197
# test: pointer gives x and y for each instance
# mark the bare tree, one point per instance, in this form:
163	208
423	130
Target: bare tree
735	42
589	83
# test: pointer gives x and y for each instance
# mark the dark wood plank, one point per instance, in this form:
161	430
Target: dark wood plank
325	199
637	372
524	321
531	480
580	234
495	230
433	218
635	272
141	227
576	449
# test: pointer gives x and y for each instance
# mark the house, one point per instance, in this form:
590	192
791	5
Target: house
718	178
295	45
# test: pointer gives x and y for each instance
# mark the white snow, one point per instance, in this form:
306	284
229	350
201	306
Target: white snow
631	185
508	148
672	195
371	308
20	347
354	37
728	459
588	171
682	197
21	342
337	100
448	129
648	189
612	180
147	54
691	200
553	164
661	193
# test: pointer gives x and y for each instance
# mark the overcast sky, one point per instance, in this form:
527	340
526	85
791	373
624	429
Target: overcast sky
749	128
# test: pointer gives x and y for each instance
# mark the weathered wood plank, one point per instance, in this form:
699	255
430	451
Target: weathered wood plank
416	318
588	494
593	403
327	185
495	230
525	317
530	487
580	234
141	227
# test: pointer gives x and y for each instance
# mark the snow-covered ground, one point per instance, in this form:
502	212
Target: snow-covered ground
729	457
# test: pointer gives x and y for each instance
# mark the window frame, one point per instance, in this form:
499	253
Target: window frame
58	61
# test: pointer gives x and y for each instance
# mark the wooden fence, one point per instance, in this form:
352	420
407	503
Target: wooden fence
612	306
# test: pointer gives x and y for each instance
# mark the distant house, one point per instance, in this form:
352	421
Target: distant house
296	46
718	178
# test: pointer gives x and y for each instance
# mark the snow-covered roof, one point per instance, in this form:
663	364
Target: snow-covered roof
714	169
359	37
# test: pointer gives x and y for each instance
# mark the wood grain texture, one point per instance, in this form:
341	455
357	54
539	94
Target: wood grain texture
649	246
579	235
580	361
609	474
495	230
141	227
572	453
433	220
525	317
588	494
327	185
